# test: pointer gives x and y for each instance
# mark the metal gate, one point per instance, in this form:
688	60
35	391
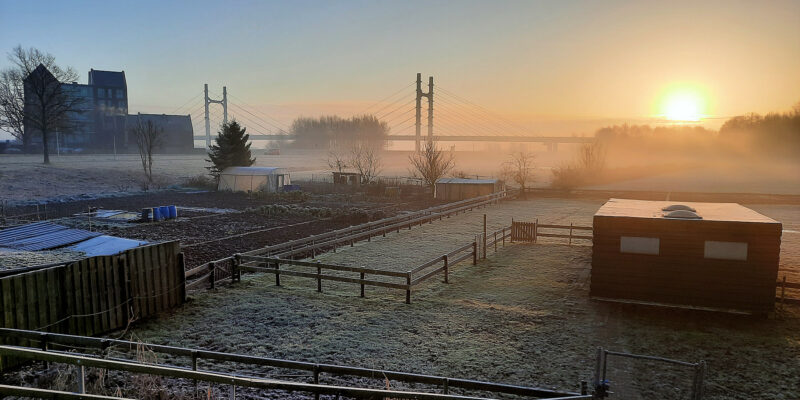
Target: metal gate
619	379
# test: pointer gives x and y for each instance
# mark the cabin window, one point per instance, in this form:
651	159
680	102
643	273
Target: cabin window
726	250
639	245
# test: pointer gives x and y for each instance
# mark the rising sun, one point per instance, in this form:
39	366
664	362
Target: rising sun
683	104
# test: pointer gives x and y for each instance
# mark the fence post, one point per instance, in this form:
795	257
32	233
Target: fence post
474	252
504	236
277	274
408	288
316	380
82	380
212	269
237	261
362	283
570	234
783	291
446	269
319	278
484	236
512	230
495	241
446	386
535	230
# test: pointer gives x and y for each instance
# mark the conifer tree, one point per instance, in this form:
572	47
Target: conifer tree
231	149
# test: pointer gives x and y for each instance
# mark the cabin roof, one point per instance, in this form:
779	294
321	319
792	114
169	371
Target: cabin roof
254	171
730	212
466	181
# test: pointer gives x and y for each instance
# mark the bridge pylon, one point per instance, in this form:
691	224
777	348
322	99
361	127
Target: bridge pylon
224	103
420	95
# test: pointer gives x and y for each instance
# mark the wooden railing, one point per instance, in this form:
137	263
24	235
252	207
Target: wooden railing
70	342
531	231
202	275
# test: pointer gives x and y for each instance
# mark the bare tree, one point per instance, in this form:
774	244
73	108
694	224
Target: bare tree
592	157
431	164
519	168
366	161
47	105
148	137
337	160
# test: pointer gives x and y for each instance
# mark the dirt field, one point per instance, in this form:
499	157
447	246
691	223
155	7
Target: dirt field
522	316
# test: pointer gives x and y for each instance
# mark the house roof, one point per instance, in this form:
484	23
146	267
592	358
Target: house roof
254	171
467	181
167	122
107	78
730	212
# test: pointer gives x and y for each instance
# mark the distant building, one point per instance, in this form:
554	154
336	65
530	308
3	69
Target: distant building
178	136
453	189
102	123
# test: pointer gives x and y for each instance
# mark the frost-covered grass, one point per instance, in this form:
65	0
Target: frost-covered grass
522	316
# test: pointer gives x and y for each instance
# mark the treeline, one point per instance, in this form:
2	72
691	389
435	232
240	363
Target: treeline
334	132
771	134
775	133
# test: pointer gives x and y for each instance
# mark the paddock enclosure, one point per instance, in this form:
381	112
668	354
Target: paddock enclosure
717	255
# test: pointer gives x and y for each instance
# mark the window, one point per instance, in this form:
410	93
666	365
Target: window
639	245
101	93
119	93
725	250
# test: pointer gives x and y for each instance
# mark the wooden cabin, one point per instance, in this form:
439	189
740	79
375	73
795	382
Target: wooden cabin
454	189
720	256
253	179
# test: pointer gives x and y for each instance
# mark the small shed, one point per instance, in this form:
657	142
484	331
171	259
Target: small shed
452	189
253	179
710	255
347	178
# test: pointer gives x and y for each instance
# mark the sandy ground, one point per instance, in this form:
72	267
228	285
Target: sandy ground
521	316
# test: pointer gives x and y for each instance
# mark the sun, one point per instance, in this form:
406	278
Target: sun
683	104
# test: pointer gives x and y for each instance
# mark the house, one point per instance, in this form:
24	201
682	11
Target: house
709	255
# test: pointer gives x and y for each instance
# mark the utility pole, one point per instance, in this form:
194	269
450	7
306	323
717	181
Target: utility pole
420	95
208	101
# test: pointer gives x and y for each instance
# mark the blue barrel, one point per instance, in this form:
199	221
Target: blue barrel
157	214
173	212
164	212
146	212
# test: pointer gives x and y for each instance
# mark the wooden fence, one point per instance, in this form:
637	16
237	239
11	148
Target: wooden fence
208	274
405	281
531	231
94	295
307	370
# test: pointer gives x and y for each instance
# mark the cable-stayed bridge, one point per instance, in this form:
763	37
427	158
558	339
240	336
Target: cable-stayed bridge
446	117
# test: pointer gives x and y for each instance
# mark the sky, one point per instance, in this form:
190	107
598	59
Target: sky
568	66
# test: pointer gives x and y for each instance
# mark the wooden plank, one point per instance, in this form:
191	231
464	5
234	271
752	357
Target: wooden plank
427	276
196	270
9	304
327	277
200	282
68	298
78	304
574	227
141	278
165	284
112	288
88	304
42	307
155	279
31	298
53	298
334	267
102	293
435	261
